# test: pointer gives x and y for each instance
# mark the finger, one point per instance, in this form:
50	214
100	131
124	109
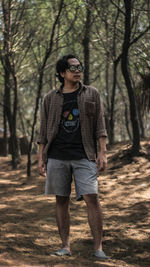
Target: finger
105	165
102	166
42	174
41	171
44	170
101	163
44	167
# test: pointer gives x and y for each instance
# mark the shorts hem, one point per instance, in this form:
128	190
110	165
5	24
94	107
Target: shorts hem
80	197
55	194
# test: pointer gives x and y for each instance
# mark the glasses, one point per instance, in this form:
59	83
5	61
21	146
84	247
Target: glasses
73	68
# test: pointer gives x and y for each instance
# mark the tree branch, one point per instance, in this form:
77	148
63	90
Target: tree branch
138	37
117	7
134	41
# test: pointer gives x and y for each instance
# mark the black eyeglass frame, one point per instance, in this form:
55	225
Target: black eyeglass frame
73	68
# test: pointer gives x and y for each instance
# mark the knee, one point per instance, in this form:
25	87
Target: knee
62	201
91	200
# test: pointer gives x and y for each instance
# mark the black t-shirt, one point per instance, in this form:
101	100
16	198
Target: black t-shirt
68	143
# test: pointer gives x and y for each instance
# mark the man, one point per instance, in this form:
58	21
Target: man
72	123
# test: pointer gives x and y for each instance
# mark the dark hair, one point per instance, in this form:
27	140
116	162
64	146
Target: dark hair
62	65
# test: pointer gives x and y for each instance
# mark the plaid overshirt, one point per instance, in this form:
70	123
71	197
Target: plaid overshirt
91	115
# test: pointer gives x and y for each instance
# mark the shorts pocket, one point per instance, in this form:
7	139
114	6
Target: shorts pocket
93	166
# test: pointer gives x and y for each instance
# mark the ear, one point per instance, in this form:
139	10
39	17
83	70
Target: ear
62	74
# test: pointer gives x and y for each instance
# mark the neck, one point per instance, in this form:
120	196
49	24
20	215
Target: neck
70	87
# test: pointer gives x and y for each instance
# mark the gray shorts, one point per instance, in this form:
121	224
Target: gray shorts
60	174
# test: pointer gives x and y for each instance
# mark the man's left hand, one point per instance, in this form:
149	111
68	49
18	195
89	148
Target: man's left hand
101	161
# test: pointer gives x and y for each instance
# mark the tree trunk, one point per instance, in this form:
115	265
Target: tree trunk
14	149
142	130
107	54
127	121
115	64
5	137
9	72
86	45
126	75
112	124
125	112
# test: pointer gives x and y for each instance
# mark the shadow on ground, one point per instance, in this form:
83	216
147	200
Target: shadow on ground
28	228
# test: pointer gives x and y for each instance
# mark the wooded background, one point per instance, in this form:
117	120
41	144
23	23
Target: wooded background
112	39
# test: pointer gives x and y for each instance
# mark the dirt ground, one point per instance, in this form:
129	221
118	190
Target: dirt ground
27	217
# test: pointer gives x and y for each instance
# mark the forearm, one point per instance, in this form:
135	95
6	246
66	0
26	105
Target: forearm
102	144
102	157
41	147
41	165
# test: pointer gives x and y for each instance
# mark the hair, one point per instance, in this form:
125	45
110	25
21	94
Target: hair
62	64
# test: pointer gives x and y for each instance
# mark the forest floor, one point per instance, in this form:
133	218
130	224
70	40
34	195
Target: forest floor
28	231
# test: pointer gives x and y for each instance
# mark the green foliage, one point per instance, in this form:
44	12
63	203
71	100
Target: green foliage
30	38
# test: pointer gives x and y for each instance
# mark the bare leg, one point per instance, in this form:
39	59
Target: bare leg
63	220
95	219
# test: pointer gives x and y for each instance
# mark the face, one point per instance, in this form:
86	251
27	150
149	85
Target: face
72	74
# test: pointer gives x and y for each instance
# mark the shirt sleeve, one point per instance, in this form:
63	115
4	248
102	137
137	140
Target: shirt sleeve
100	119
42	138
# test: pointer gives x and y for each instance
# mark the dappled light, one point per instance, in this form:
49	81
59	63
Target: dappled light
75	82
28	226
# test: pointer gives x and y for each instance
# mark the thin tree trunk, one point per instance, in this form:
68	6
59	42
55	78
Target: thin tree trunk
10	116
112	124
40	85
115	64
142	130
12	126
22	122
86	44
15	153
107	54
9	73
125	72
125	112
5	137
127	121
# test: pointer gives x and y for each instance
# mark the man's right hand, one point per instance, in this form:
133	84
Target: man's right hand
42	168
41	165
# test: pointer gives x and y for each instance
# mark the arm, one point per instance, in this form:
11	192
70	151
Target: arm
101	135
41	165
102	157
42	138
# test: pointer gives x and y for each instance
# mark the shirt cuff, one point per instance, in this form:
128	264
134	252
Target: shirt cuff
41	140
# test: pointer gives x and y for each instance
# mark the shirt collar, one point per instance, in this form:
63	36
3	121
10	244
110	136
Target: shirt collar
81	88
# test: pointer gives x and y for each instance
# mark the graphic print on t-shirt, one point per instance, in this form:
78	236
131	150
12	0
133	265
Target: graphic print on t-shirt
70	118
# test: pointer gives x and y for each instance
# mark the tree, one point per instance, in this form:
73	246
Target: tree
92	30
86	42
126	75
48	52
16	43
11	80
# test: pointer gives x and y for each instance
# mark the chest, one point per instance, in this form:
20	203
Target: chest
83	105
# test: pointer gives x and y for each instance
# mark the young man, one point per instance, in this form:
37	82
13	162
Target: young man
72	123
